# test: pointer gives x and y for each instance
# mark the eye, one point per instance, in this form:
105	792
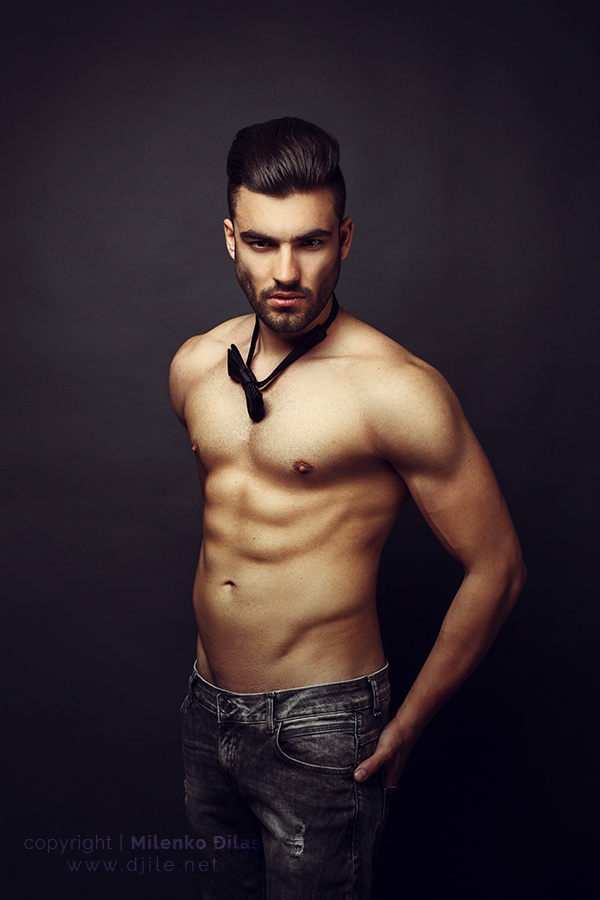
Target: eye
312	243
259	245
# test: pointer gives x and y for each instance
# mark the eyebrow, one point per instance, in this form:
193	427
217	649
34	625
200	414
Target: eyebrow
310	235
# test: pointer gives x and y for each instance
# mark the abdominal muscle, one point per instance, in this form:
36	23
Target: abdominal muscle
283	604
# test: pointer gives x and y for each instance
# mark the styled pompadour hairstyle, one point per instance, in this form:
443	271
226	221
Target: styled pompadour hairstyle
282	157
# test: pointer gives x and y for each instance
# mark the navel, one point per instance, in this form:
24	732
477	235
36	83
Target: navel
303	467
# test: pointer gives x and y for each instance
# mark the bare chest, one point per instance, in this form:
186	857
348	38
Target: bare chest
313	427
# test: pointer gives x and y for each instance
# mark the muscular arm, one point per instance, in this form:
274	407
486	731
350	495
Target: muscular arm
421	429
182	375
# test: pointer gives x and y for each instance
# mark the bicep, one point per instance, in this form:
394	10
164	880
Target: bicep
176	391
462	503
181	374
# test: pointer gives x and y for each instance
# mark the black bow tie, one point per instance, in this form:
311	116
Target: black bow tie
241	372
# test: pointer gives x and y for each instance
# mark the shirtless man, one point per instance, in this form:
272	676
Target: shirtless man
286	754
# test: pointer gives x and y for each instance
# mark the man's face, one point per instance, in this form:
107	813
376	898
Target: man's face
287	253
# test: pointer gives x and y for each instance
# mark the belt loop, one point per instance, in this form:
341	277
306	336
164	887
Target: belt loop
270	717
376	707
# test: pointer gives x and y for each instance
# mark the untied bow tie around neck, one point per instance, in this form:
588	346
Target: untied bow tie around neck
241	372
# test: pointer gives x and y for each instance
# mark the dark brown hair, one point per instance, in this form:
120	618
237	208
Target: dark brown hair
282	157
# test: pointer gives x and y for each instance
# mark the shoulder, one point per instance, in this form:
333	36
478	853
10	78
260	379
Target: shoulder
199	355
412	414
200	351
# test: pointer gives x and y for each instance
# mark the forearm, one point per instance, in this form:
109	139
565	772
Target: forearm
468	630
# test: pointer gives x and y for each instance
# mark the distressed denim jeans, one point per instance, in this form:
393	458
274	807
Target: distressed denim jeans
270	789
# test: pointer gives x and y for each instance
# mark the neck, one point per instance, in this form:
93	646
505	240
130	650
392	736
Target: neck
271	345
242	372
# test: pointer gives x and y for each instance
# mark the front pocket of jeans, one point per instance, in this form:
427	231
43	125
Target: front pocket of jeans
326	742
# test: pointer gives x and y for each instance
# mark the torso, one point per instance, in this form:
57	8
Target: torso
297	509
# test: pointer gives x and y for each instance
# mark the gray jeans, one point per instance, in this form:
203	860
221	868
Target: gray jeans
270	792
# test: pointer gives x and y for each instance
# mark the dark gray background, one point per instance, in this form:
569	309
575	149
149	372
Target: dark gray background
469	144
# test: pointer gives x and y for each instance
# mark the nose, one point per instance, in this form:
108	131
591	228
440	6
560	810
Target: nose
285	268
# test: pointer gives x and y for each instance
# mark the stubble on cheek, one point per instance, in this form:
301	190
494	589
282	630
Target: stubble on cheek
246	283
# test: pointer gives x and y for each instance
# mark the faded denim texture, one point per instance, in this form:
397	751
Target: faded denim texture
276	769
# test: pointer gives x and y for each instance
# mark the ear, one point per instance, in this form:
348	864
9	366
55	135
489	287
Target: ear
229	237
346	233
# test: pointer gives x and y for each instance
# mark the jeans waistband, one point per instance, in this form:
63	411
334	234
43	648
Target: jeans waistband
366	692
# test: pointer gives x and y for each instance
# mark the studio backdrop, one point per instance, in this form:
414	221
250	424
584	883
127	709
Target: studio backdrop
468	136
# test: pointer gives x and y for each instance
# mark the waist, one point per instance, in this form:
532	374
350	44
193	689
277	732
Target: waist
366	692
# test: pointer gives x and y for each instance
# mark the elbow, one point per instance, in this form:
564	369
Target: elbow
516	577
523	575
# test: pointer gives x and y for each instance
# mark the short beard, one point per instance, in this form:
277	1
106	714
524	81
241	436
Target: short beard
288	321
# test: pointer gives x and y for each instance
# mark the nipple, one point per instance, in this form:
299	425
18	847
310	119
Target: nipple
195	448
303	467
